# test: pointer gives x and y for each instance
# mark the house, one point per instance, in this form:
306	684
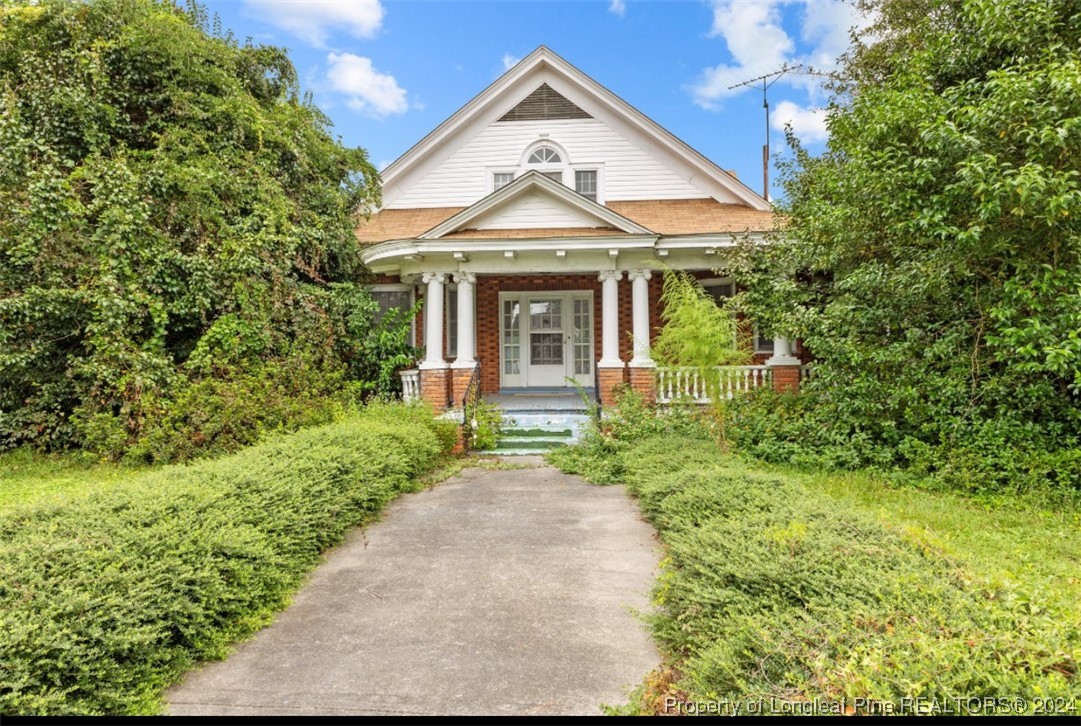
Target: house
533	221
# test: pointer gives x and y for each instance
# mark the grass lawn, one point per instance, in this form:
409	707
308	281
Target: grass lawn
29	477
783	585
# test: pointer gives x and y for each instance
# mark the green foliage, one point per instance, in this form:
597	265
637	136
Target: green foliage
932	256
107	598
774	590
485	426
177	222
697	333
596	457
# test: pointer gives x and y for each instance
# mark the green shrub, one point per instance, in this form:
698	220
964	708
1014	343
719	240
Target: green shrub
774	590
485	427
106	599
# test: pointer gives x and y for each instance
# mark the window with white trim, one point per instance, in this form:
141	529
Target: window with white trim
544	155
719	289
762	344
501	179
585	183
393	297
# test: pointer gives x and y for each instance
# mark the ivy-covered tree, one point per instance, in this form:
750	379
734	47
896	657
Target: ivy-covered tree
171	210
931	258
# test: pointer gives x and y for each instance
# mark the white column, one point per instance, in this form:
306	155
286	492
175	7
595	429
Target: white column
433	321
640	311
782	354
467	340
610	322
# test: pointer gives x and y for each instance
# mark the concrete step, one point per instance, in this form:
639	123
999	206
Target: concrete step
534	443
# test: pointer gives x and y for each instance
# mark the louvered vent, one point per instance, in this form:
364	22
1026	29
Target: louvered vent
542	105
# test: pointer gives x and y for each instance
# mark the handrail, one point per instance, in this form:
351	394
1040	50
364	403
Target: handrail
469	408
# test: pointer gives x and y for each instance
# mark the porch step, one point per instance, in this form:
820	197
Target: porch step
534	432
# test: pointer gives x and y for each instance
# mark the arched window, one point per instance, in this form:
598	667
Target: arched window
544	155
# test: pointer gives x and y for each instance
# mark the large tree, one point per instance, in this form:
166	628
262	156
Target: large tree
933	251
171	208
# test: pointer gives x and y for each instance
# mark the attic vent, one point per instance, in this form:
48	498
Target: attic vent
544	104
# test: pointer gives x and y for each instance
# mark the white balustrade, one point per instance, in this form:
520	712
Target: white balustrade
410	385
687	385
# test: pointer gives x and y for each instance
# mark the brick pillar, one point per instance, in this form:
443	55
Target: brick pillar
459	382
644	382
609	380
785	379
784	367
434	385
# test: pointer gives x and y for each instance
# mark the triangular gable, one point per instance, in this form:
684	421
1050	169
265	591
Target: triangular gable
534	200
544	104
523	80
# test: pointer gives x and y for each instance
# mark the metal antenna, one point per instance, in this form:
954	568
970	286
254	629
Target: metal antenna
766	83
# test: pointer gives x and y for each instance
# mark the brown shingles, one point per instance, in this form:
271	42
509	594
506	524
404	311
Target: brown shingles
663	216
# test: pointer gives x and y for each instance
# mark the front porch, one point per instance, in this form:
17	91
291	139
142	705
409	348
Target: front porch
531	341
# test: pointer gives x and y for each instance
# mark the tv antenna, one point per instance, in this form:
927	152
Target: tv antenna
767	80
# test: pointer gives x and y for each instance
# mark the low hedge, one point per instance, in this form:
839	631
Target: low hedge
105	600
772	590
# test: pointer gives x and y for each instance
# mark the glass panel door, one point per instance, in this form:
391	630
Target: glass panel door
510	324
547	342
582	340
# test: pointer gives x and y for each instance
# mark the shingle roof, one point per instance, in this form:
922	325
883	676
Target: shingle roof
694	216
663	216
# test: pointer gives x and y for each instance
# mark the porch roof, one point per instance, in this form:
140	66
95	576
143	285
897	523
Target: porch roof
663	216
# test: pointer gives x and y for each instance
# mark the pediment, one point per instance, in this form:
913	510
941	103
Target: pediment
535	202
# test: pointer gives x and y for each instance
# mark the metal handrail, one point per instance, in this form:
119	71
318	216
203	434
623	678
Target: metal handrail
469	408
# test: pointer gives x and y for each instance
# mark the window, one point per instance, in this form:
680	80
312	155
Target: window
719	290
392	297
585	183
451	309
556	176
501	179
544	155
761	343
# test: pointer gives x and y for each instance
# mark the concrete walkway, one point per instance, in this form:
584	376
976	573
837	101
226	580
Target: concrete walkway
497	592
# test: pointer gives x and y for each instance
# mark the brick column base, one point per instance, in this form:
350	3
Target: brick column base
644	382
785	379
434	386
609	379
459	381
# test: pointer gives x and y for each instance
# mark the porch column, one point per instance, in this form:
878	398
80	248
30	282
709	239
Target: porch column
433	320
784	367
433	369
465	364
640	311
641	365
610	367
467	344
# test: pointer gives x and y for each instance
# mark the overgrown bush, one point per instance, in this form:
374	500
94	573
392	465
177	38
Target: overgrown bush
772	590
106	599
176	227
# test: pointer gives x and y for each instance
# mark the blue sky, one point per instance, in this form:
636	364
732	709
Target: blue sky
388	72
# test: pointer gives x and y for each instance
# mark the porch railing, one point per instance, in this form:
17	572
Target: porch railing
410	385
688	385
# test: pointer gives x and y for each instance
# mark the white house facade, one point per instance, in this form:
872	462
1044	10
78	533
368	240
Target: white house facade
533	222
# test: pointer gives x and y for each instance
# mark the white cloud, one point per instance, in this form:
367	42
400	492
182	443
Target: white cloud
618	7
509	61
313	20
756	41
808	124
365	88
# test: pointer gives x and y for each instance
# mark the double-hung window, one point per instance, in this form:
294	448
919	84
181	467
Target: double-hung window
585	183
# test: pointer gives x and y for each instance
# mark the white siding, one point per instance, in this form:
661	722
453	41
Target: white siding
535	211
629	172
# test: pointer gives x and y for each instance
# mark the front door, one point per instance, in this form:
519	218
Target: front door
547	339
